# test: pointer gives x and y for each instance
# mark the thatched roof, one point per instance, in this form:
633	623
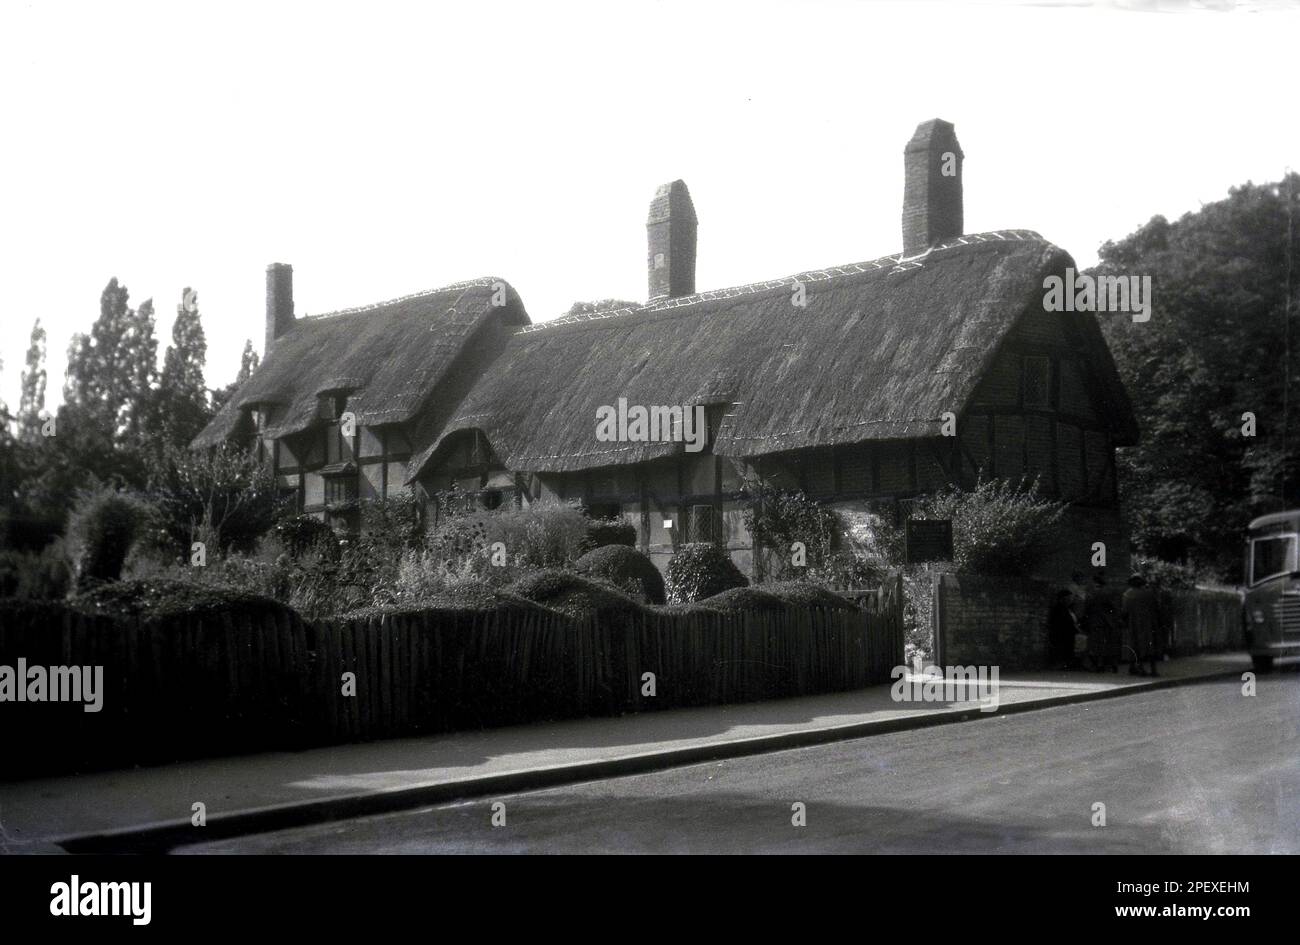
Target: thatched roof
389	356
881	350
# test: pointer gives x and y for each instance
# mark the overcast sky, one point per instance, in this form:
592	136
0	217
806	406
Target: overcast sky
382	149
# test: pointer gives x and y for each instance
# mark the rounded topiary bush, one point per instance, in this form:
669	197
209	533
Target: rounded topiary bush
701	570
609	531
625	567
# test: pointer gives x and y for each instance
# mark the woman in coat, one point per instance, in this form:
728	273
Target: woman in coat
1142	616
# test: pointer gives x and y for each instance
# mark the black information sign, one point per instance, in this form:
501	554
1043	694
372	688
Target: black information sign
928	540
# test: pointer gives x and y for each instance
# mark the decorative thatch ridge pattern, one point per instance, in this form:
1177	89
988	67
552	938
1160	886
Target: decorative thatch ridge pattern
389	357
880	351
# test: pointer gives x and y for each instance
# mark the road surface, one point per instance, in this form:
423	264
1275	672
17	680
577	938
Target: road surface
1192	769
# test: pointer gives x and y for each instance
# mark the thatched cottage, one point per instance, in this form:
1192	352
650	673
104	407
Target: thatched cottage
838	380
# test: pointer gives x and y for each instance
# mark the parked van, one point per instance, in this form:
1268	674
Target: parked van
1272	600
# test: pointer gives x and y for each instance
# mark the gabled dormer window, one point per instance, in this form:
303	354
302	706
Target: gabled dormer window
332	406
256	419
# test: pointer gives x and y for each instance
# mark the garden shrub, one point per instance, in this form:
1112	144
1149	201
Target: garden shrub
424	576
102	527
1001	527
162	598
755	598
777	518
543	535
31	575
223	497
571	593
602	532
301	533
1165	574
626	568
804	594
700	570
847	569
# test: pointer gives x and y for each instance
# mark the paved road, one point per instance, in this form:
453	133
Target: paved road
1193	769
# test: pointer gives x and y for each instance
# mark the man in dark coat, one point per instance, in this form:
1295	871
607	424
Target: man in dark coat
1061	629
1142	616
1101	623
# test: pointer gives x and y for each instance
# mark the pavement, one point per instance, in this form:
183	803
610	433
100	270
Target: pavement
150	809
1198	769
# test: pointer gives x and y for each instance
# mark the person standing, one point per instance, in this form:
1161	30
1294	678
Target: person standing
1101	623
1142	615
1061	628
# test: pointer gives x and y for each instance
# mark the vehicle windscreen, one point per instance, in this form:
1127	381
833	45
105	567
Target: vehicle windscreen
1271	556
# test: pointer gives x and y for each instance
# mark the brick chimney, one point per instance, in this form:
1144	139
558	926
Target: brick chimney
279	302
932	192
670	230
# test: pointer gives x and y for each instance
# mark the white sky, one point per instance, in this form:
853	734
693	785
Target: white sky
387	148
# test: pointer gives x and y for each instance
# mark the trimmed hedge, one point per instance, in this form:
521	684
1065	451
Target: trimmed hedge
167	598
701	570
572	594
603	532
626	568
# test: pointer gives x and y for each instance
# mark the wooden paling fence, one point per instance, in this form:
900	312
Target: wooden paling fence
219	682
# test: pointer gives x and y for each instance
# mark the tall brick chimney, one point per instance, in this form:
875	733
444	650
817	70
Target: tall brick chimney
279	302
932	192
670	230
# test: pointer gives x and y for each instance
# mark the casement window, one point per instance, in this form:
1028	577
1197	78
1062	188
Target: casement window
702	524
1036	382
340	489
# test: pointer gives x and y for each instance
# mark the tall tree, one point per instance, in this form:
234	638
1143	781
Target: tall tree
182	399
32	401
1214	374
103	425
98	367
248	363
141	359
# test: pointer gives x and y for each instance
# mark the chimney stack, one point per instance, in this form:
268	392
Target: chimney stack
932	209
279	302
670	231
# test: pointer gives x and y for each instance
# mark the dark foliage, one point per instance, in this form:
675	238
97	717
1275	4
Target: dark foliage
302	533
626	568
700	570
34	576
609	531
1215	348
571	593
108	525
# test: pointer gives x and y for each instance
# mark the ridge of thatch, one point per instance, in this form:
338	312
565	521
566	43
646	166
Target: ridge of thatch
389	357
880	351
